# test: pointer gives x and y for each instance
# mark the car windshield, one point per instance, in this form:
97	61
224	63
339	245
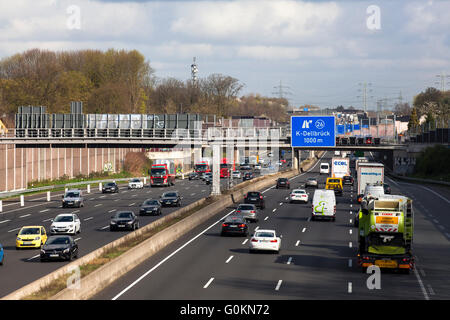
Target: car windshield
171	195
124	215
58	240
26	231
334	181
201	167
299	191
324	166
151	203
63	219
158	171
236	172
135	180
282	179
311	179
246	207
253	194
72	195
265	234
110	184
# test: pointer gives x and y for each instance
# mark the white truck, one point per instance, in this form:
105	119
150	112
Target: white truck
340	167
369	172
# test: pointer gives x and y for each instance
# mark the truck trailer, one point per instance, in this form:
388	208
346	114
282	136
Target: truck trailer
340	167
368	172
386	226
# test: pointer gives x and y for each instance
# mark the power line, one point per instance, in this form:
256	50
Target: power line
280	90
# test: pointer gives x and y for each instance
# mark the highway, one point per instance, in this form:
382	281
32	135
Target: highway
23	266
317	260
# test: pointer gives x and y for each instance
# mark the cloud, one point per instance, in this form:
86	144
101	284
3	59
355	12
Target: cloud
255	21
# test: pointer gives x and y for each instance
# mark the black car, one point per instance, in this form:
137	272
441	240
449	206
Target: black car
110	187
283	183
124	220
256	198
194	176
387	188
248	176
234	225
208	179
170	198
59	248
151	207
347	180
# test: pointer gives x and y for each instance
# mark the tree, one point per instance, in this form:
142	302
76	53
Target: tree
402	109
414	120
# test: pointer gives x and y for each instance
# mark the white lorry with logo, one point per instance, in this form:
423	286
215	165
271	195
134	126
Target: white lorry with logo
369	172
340	167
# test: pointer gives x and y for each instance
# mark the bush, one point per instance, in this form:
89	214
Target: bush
432	163
137	163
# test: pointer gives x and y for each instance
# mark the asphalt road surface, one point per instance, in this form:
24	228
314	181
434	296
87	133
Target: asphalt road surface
317	259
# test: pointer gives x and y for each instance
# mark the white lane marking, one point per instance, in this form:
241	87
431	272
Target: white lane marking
350	261
203	190
4	221
350	231
148	191
102	197
281	203
124	191
132	204
45	210
169	256
134	195
430	289
422	272
117	200
349	287
289	260
104	228
228	260
274	210
447	234
98	205
278	285
435	221
77	239
13	229
192	194
112	210
350	244
351	205
90	218
208	283
304	229
245	241
25	215
350	220
76	211
47	220
266	218
36	256
287	198
432	191
297	243
441	227
256	229
309	219
393	182
425	294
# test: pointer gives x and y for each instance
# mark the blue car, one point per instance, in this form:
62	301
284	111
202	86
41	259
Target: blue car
2	256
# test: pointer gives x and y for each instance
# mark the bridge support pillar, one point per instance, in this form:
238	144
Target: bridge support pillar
296	157
216	169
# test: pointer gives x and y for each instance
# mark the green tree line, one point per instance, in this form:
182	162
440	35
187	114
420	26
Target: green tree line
119	81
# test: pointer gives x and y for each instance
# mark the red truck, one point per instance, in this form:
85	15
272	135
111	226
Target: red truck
162	173
202	167
225	168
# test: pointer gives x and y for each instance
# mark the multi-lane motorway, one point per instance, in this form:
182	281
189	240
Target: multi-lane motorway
24	266
317	259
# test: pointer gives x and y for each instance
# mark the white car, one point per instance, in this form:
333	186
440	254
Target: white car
135	184
66	223
265	240
257	167
298	195
236	174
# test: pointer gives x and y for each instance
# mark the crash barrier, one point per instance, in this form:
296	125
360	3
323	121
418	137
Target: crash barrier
108	273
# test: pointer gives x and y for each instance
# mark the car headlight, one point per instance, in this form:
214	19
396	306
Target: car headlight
18	239
37	238
113	222
129	222
66	250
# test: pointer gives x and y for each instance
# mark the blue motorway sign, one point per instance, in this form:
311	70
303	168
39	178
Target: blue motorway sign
313	131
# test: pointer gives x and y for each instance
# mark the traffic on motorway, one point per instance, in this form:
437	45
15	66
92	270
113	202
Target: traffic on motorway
83	220
295	247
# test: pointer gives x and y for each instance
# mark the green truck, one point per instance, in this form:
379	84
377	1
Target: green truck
386	226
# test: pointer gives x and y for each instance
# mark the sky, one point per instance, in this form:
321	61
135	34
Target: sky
321	52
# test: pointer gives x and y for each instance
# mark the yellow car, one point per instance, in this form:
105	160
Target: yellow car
334	184
31	237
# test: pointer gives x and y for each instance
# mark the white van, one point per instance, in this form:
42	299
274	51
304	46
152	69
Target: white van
324	205
325	168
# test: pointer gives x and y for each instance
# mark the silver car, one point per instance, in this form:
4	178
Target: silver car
236	174
73	198
311	182
248	211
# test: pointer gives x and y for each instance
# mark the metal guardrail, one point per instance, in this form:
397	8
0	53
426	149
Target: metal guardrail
48	188
158	134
